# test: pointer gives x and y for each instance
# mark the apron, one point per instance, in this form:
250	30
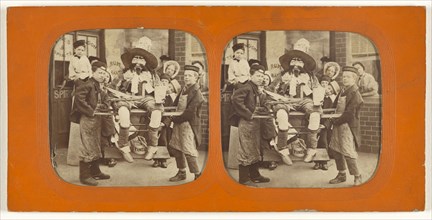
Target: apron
90	130
183	137
75	142
342	139
250	140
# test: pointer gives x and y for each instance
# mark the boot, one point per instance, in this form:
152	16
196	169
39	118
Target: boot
181	175
309	155
317	166
163	164
244	176
85	174
255	176
285	157
95	171
123	143
340	178
282	139
273	165
153	142
324	166
156	163
358	180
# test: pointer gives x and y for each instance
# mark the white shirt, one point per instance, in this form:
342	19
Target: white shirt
79	68
238	71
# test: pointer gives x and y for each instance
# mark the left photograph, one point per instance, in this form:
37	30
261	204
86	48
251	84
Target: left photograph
128	107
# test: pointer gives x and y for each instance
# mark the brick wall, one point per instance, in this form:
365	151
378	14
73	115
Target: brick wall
180	52
370	113
341	48
180	57
370	125
204	124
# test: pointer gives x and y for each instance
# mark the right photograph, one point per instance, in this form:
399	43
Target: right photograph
301	109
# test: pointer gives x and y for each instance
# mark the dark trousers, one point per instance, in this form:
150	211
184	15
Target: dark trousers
324	138
350	162
182	158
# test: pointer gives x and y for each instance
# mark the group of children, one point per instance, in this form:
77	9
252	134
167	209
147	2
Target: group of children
92	96
252	87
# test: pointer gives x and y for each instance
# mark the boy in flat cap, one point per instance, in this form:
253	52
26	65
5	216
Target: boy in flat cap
346	129
186	132
90	98
245	100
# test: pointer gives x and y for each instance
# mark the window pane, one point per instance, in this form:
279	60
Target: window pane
59	50
92	46
68	46
252	48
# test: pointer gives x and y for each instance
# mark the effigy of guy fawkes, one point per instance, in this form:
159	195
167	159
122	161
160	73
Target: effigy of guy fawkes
146	92
297	88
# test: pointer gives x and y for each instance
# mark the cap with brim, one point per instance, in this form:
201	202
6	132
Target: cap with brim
258	68
151	60
350	69
101	65
191	68
329	64
93	59
309	62
254	62
177	67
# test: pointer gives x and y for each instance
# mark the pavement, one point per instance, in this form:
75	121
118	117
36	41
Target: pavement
138	173
141	172
302	175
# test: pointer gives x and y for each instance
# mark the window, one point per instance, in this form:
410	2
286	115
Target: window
361	46
251	47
